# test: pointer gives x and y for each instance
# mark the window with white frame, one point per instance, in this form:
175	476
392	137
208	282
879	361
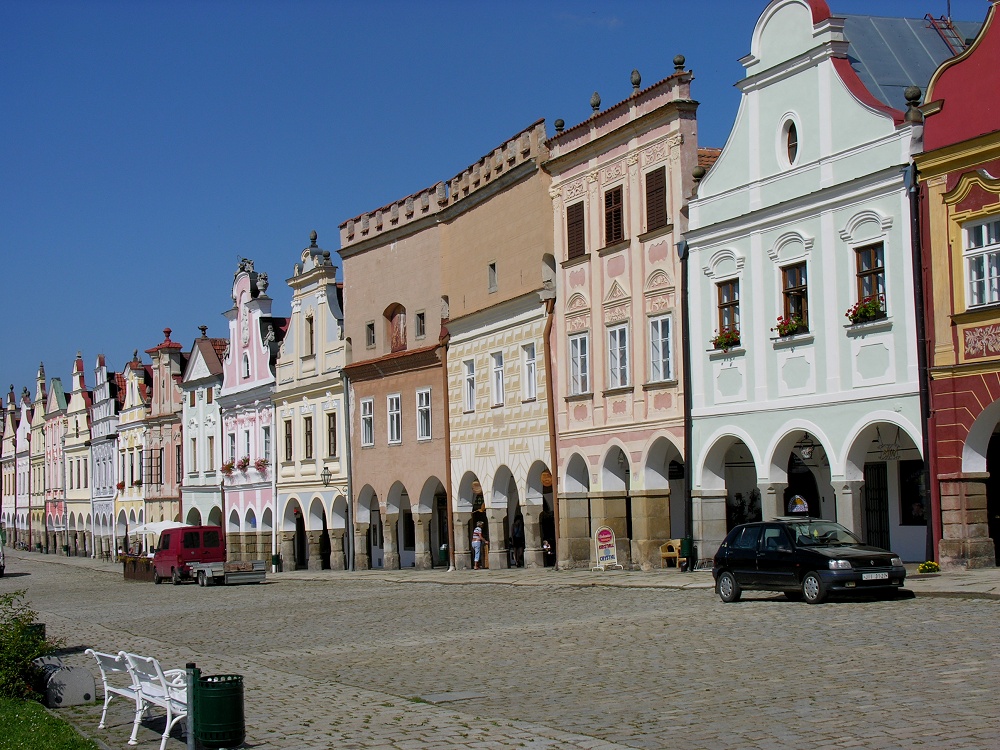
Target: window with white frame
424	414
529	380
579	363
469	397
661	352
265	435
497	378
618	356
982	262
367	422
246	442
232	446
395	419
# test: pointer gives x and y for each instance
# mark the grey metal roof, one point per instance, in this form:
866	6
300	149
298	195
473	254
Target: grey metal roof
889	54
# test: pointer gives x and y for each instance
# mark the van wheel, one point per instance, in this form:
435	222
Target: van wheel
157	578
175	576
201	578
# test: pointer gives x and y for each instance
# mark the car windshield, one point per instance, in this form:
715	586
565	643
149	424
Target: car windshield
821	533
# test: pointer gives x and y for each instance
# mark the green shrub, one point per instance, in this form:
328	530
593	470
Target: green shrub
20	642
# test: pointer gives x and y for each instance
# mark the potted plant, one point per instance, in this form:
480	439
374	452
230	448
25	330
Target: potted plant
243	464
726	338
928	566
228	467
137	483
261	465
120	486
866	309
788	325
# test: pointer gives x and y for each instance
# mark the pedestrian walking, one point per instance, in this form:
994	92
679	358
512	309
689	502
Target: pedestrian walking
517	540
477	545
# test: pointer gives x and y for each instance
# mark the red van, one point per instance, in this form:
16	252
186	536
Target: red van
180	547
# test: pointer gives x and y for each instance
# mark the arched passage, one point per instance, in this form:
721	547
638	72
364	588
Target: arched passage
400	542
665	487
432	516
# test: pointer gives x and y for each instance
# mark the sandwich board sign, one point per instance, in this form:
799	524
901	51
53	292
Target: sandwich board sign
607	553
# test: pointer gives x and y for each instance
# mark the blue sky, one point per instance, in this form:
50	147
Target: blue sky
146	146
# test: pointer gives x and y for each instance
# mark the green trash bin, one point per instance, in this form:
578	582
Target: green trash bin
218	710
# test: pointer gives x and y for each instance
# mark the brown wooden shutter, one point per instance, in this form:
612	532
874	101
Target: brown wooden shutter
656	199
576	244
613	229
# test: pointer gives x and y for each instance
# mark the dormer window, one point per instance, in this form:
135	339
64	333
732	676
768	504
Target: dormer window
310	336
246	365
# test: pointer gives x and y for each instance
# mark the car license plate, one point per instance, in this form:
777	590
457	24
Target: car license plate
874	576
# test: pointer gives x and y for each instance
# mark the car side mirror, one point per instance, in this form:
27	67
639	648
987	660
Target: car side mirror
784	548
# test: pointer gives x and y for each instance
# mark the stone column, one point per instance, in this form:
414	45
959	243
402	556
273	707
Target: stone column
463	550
650	527
287	549
421	549
965	536
314	562
573	547
708	520
772	499
390	549
848	499
234	546
361	561
337	549
498	550
532	537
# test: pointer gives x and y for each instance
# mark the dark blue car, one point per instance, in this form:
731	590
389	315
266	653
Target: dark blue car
803	557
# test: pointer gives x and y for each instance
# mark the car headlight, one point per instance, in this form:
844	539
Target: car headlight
896	562
840	565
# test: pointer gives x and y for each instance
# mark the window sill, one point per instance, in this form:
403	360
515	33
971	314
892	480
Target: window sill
618	391
588	396
652	234
870	326
978	314
368	445
656	385
575	261
395	443
496	406
792	340
616	247
309	357
529	400
426	439
469	411
736	351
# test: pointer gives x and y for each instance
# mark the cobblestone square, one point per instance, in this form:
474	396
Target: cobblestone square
545	661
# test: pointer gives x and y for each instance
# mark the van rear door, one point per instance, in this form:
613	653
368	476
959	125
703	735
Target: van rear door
190	548
212	550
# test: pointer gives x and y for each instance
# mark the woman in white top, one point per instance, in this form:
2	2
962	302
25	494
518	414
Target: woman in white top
477	544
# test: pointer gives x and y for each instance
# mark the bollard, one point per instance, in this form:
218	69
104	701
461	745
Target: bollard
193	675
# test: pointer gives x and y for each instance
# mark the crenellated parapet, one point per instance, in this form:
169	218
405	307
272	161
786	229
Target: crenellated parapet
527	145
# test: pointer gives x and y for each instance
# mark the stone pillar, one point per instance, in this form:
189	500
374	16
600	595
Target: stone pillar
361	561
772	499
463	548
498	550
314	561
532	537
287	549
264	547
573	547
421	541
337	549
79	546
708	516
234	546
650	527
390	549
848	499
965	536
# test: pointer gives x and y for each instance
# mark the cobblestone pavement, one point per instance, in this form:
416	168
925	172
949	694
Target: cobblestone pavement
352	661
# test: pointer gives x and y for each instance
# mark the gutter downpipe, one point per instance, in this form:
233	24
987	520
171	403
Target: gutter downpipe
550	305
682	252
443	343
350	469
912	183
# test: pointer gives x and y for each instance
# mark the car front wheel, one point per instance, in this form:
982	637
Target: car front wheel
813	590
728	588
175	577
157	578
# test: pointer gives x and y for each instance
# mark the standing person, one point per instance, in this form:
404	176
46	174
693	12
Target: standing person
517	540
477	544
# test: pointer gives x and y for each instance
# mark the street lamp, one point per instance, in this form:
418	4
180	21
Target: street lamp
325	475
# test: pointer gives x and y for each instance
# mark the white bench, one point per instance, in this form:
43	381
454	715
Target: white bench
166	690
114	671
